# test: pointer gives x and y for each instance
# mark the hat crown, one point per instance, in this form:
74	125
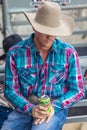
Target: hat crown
48	14
50	20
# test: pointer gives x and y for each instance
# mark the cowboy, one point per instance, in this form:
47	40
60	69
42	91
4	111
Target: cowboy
43	65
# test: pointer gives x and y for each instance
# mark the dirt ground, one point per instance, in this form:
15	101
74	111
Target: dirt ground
75	126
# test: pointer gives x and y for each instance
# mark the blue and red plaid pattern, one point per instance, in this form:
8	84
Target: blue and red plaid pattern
59	76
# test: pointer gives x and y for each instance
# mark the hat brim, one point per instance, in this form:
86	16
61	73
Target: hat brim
66	25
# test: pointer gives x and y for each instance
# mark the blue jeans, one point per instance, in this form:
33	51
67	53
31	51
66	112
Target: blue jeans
20	121
4	112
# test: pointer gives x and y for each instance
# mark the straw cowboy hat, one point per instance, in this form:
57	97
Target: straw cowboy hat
49	20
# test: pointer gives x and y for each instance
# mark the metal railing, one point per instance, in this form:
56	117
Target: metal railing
16	7
76	115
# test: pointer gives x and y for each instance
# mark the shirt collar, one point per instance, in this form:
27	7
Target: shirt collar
30	44
54	46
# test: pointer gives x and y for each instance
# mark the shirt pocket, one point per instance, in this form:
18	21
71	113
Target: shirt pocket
28	78
57	79
57	74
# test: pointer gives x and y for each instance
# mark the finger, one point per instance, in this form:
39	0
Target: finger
43	108
40	109
40	116
48	119
36	113
42	120
36	121
43	112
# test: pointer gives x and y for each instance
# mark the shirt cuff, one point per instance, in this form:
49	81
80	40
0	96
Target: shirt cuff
28	108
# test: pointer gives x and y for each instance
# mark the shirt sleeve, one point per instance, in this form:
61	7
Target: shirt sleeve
74	85
12	87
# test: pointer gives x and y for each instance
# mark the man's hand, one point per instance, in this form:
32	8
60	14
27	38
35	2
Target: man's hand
40	114
39	121
39	111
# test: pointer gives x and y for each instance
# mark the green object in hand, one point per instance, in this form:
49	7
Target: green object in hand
49	109
44	101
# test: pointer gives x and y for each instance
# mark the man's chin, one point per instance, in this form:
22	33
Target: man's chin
46	48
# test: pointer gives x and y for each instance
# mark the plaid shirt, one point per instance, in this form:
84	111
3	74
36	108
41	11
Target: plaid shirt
59	76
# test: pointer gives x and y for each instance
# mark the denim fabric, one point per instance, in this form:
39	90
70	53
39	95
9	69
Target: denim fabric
20	121
4	112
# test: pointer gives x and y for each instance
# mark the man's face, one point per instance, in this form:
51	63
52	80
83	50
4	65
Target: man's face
44	40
